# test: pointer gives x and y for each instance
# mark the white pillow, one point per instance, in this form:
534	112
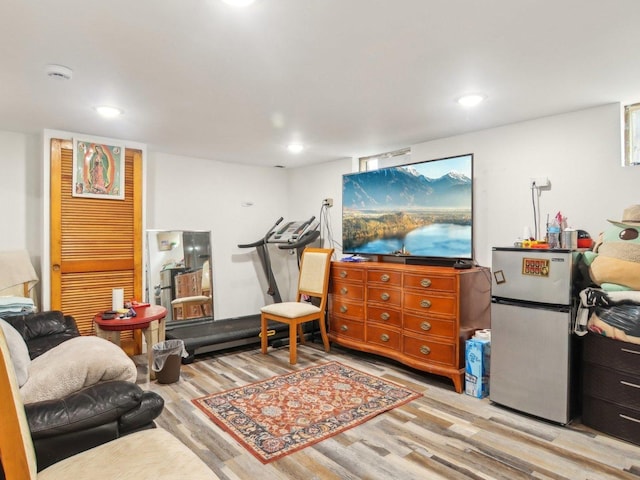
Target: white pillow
74	364
18	351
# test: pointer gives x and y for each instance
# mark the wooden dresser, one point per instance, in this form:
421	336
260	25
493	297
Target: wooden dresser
418	315
611	387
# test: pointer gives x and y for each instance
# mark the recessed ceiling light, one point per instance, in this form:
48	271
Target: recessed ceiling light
109	112
295	147
471	100
59	72
239	3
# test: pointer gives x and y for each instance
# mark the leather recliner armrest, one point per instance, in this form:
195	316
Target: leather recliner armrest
143	415
90	407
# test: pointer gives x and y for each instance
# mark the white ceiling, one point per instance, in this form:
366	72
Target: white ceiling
348	78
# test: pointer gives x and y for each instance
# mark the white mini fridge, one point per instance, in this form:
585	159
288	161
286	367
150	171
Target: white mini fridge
532	314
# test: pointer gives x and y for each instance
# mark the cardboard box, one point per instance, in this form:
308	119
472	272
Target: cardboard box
477	367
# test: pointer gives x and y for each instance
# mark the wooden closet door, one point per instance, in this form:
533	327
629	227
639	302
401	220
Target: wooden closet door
96	244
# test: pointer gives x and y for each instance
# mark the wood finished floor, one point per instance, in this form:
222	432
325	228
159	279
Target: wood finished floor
443	435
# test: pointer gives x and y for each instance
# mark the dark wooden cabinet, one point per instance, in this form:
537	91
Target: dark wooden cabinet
418	315
611	387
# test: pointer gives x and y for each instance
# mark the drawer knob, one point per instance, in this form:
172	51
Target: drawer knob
384	337
385	278
343	274
343	309
426	326
425	350
425	303
385	316
344	290
425	282
343	328
385	296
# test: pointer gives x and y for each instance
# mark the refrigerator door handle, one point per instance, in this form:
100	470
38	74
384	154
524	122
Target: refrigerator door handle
538	306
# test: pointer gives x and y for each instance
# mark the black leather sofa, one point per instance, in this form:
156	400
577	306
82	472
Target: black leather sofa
95	415
43	330
90	417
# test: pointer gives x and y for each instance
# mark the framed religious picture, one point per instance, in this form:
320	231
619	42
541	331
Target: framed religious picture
98	170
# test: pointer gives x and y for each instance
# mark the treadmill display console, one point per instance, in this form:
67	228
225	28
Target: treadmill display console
291	231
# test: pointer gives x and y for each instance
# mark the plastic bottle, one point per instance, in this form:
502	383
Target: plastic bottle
553	232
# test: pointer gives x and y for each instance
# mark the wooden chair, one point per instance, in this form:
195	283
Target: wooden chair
152	454
182	307
313	282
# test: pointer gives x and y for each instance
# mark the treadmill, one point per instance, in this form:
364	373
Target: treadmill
204	335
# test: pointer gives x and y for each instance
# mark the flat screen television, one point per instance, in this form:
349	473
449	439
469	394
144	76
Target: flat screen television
422	210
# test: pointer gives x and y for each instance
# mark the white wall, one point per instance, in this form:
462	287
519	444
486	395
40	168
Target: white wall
309	186
20	196
185	193
580	152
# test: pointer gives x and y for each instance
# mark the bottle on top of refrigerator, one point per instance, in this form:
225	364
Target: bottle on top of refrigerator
553	232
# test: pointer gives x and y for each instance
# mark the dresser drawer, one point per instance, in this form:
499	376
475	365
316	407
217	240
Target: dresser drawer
341	272
387	316
429	303
607	384
610	418
429	351
342	327
344	308
388	277
424	281
383	336
347	290
622	356
391	296
429	325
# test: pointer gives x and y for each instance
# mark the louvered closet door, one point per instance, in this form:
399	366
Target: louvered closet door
96	244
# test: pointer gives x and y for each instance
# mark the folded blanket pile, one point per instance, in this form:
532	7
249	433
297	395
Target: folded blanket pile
16	305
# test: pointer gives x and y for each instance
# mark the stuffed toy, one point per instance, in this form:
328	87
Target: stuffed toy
614	262
613	309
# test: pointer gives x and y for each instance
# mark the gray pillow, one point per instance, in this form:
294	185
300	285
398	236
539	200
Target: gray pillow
18	351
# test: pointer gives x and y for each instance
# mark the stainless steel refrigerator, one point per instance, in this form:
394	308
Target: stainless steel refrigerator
532	313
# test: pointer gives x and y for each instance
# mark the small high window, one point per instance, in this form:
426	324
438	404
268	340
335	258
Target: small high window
374	162
632	134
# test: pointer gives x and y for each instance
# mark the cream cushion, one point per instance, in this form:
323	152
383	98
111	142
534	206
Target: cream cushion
290	309
75	364
195	298
152	454
18	351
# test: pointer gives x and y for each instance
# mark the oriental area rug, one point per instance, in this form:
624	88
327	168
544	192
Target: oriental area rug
287	413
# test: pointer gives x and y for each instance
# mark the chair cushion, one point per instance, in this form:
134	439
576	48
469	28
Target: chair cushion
18	351
195	298
153	454
290	309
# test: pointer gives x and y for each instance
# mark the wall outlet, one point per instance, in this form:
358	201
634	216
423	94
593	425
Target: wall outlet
540	183
327	202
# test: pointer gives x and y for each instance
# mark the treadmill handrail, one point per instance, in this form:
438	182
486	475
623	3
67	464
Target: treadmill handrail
263	240
250	245
302	241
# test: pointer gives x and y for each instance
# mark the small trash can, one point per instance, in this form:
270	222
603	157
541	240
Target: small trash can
167	357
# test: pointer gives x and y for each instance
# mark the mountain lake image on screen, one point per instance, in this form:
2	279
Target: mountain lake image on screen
422	209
